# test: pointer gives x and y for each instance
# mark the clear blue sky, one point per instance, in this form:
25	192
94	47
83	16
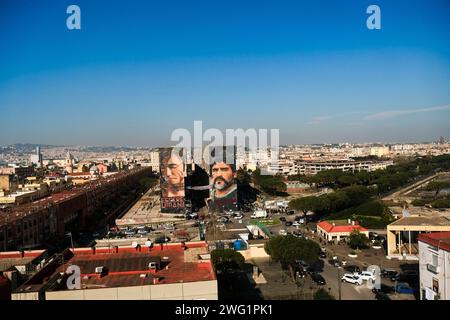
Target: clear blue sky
139	69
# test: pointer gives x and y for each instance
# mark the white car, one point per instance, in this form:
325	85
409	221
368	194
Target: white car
366	275
296	224
282	232
352	278
238	217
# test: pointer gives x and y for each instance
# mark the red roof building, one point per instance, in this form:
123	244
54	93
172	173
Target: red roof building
439	240
337	229
434	265
171	271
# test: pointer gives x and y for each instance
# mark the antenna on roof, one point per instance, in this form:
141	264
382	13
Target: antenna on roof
406	213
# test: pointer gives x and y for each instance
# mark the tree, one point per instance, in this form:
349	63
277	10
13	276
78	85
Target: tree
243	176
270	184
289	249
224	259
322	294
358	240
438	186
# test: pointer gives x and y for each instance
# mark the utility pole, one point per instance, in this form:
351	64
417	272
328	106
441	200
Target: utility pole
339	282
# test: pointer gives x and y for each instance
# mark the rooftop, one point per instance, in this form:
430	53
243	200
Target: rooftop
437	239
128	266
18	212
338	226
422	221
18	258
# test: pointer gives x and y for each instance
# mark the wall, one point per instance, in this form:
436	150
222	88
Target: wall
173	291
426	276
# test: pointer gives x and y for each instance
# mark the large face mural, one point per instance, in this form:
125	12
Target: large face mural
223	196
173	172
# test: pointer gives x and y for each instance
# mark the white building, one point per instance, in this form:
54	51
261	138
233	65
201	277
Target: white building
313	167
154	160
434	266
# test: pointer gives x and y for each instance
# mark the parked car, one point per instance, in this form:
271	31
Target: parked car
403	287
317	278
296	224
382	296
193	215
352	268
406	276
282	219
378	239
352	278
130	233
384	289
297	234
315	267
322	255
169	227
288	223
388	273
301	272
96	235
335	262
162	239
282	232
367	275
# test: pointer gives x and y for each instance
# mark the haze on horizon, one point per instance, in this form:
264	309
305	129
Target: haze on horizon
133	74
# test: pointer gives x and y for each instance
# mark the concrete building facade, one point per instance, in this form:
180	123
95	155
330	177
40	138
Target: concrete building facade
176	271
434	266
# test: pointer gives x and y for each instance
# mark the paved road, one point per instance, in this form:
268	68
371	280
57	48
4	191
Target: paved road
348	291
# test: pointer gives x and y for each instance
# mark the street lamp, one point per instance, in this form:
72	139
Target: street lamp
339	282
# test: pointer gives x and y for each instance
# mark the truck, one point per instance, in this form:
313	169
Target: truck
259	214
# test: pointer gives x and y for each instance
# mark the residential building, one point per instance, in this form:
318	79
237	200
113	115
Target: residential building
336	230
434	266
402	234
313	167
174	271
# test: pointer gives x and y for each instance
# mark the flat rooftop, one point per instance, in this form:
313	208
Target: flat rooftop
440	221
421	211
18	258
128	266
146	211
21	211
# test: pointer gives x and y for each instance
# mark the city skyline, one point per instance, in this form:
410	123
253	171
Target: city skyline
131	76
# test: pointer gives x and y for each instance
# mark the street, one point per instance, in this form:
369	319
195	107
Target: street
348	291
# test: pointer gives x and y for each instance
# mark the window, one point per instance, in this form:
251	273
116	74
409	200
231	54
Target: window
434	260
435	285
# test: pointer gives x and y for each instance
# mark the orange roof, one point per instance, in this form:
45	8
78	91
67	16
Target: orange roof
437	239
330	228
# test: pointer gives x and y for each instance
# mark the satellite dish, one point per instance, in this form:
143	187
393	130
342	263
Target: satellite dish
148	243
134	244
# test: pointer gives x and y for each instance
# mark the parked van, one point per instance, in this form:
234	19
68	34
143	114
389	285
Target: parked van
259	214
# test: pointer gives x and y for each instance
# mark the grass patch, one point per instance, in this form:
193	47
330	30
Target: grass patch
373	214
370	222
372	208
